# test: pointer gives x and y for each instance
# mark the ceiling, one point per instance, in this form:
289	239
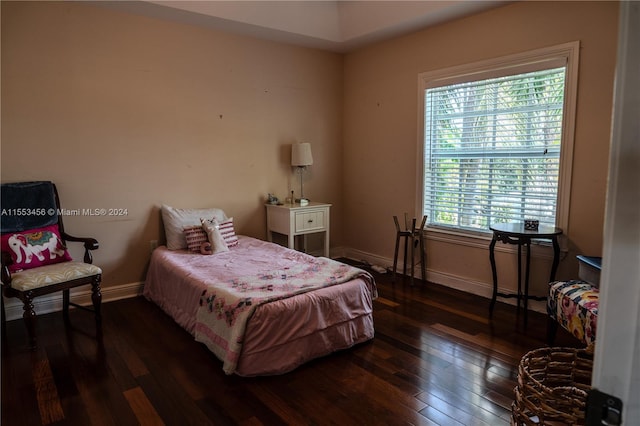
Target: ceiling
338	26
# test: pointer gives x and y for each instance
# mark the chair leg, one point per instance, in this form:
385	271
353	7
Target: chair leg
65	304
414	242
29	316
413	258
96	298
406	248
552	330
4	317
395	258
423	259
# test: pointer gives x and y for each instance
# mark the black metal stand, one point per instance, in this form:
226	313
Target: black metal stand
412	235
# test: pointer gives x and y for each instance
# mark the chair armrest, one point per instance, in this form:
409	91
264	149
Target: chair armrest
89	244
6	275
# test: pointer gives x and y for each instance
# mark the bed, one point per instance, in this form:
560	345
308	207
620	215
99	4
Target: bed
261	308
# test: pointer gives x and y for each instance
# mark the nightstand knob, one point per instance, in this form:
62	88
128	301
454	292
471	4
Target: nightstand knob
310	221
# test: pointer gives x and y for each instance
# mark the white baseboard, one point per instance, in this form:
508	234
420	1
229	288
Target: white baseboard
372	259
457	282
53	302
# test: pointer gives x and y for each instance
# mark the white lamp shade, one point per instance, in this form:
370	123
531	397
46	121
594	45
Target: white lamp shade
301	154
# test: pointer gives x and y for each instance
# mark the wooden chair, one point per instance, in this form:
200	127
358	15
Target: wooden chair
34	257
414	236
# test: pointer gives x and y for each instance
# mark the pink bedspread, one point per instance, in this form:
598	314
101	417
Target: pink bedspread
313	324
224	309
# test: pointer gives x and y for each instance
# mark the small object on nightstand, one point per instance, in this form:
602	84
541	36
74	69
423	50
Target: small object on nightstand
272	199
290	200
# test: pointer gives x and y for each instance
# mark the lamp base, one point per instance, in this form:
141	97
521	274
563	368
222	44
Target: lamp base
302	201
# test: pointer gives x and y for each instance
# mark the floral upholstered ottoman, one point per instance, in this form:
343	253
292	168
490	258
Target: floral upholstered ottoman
574	305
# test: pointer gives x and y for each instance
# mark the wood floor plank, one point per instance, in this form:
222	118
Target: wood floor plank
279	405
134	366
482	340
450	409
387	302
46	393
166	388
218	414
437	359
61	367
142	408
439	418
185	380
19	401
473	404
454	309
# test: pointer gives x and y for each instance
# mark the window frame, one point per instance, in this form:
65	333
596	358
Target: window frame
566	54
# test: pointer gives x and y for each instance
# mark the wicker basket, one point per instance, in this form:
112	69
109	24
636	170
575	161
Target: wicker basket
552	387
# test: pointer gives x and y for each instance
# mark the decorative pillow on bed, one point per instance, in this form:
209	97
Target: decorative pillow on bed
212	229
228	232
195	236
34	247
175	220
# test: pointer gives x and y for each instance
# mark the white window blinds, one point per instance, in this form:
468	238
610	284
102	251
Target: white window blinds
492	149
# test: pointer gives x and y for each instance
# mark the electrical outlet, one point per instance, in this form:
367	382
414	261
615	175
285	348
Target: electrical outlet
153	244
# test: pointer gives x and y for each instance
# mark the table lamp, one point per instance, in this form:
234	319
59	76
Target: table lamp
301	158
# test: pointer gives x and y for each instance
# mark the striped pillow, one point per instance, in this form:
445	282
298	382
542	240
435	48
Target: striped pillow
195	236
228	233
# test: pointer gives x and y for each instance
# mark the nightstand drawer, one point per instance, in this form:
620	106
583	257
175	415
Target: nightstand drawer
309	220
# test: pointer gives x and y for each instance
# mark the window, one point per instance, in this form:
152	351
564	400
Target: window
498	140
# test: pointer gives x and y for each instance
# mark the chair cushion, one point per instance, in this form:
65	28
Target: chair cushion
574	304
34	247
52	274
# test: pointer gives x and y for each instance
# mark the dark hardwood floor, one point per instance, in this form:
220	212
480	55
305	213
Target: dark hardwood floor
436	359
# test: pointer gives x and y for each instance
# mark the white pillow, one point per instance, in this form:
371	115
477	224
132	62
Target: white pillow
175	220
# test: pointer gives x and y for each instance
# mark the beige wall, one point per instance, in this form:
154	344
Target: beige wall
152	111
123	111
380	136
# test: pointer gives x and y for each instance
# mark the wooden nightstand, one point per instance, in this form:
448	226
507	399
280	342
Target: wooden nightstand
293	219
